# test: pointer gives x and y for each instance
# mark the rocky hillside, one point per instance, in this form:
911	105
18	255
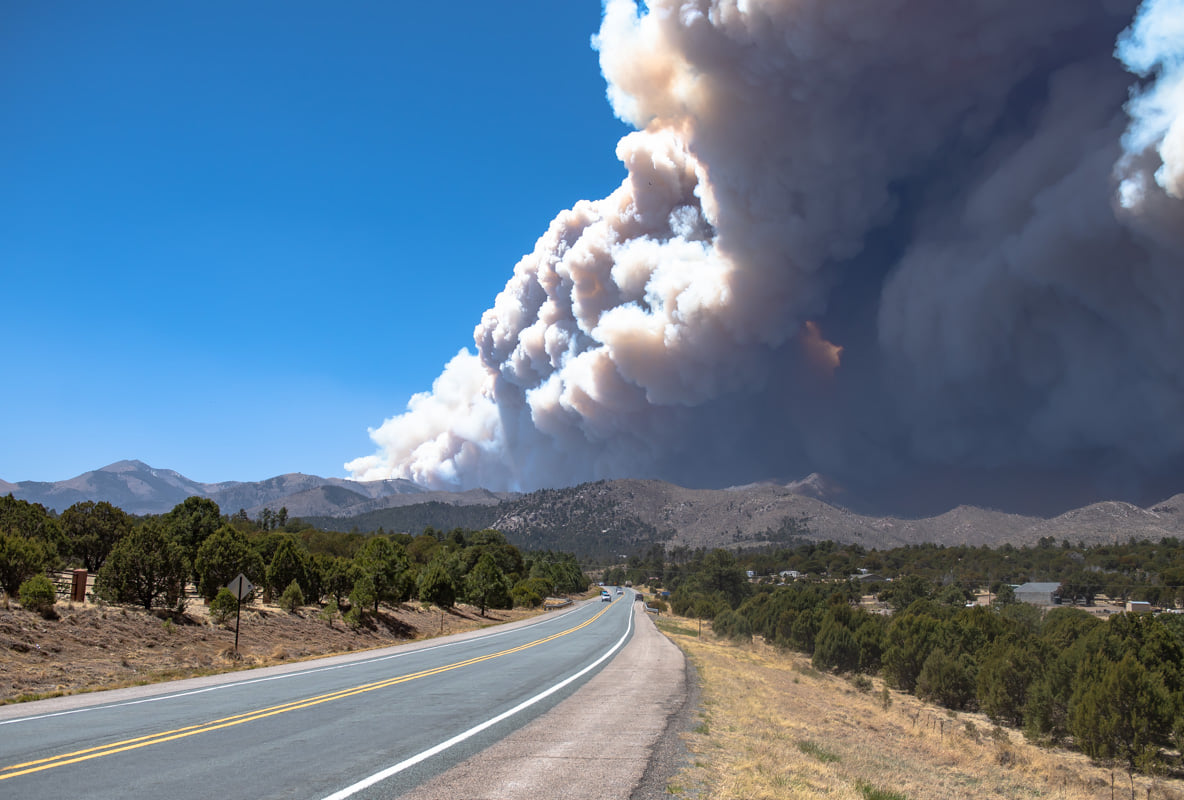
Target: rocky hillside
626	514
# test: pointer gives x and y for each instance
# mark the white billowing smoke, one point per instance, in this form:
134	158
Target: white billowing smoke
954	194
1154	46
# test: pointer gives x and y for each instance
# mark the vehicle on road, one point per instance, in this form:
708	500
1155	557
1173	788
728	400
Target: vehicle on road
605	597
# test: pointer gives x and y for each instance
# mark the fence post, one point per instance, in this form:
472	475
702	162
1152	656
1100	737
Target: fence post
78	588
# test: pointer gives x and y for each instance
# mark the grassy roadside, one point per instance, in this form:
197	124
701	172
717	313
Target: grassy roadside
771	726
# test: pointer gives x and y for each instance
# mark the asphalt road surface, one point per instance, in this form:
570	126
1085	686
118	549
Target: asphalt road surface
367	725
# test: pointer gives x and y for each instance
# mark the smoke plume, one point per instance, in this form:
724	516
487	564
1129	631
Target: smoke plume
934	251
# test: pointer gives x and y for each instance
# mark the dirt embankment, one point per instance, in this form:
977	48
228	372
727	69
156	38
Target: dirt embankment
92	647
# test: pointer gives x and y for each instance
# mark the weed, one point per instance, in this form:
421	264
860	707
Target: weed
861	682
869	792
811	749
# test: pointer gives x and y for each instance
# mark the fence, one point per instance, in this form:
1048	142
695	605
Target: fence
64	585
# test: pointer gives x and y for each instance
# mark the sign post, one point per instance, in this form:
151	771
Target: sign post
240	587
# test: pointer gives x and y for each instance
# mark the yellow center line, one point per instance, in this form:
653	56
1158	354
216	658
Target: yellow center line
27	767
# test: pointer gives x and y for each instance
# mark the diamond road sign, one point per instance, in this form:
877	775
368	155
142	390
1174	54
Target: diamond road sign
240	587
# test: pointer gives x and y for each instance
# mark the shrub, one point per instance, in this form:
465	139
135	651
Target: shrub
861	682
530	593
835	648
330	611
946	680
733	626
38	595
292	598
223	607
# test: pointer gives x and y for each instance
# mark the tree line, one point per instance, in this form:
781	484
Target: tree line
149	560
1151	570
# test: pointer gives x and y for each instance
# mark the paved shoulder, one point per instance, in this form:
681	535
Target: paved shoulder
596	744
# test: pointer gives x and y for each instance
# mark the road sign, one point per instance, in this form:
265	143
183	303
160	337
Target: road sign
240	587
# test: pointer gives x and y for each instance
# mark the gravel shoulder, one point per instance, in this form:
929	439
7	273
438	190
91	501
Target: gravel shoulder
598	744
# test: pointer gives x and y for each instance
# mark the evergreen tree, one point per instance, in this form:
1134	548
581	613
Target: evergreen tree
486	586
147	567
191	523
947	679
339	576
91	530
21	558
436	584
292	598
287	564
32	521
1002	683
386	564
222	556
1122	716
835	647
911	637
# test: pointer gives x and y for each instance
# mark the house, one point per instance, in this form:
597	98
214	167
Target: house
1038	594
790	574
1138	606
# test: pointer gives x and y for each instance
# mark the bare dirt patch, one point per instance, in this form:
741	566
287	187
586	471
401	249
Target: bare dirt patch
90	647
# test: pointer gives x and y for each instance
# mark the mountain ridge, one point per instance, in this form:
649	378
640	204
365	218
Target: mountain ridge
608	517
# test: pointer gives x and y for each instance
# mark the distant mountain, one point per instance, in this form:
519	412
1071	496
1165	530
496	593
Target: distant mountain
132	485
139	488
608	518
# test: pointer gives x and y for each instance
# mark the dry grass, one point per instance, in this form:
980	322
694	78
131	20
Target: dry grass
773	727
92	647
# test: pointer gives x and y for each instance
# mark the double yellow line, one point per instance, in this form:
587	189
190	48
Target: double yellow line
28	767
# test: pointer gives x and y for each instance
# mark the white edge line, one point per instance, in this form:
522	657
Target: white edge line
298	674
365	783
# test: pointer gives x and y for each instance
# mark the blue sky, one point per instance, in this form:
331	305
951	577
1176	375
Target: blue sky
236	235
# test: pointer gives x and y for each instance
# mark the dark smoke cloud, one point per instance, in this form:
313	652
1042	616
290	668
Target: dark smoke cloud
934	251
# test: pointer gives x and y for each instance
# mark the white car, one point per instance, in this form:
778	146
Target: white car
605	597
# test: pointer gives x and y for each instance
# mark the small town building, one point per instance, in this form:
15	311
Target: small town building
1038	594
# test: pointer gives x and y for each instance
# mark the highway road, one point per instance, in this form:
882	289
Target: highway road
373	725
